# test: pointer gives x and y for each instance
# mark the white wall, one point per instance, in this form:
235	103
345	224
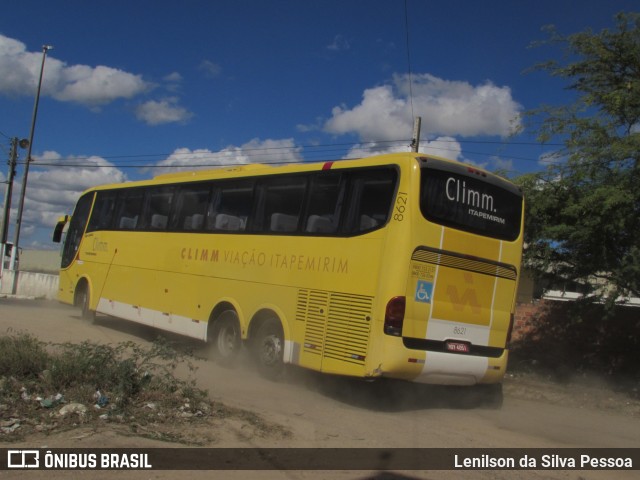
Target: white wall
39	285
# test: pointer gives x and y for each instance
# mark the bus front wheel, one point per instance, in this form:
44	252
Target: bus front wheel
226	338
268	348
83	300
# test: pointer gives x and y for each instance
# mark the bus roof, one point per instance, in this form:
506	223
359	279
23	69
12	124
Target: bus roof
256	169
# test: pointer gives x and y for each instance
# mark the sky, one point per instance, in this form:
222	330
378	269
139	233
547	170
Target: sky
134	88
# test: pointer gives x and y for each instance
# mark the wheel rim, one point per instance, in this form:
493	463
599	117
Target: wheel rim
270	353
84	303
227	341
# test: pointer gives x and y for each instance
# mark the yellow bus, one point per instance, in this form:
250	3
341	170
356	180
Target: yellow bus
402	265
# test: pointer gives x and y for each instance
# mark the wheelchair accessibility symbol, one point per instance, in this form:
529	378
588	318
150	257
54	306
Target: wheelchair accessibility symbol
424	291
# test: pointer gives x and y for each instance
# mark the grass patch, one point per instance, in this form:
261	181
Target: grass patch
23	356
47	386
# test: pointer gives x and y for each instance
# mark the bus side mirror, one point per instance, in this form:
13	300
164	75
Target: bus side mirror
57	232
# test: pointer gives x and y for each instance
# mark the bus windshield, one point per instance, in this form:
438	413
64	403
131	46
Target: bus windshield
465	198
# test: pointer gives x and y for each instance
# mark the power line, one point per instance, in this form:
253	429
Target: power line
218	164
271	155
313	150
256	155
333	147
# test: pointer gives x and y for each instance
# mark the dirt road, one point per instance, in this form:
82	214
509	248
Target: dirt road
334	412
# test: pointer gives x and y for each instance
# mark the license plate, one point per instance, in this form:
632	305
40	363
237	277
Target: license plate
457	347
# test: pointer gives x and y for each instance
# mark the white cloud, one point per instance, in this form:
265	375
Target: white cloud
500	163
380	116
89	86
95	86
340	42
17	67
173	82
53	191
210	69
447	147
447	108
86	172
254	151
266	151
156	112
54	185
173	77
362	150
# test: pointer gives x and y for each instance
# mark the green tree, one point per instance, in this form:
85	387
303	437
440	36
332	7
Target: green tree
583	220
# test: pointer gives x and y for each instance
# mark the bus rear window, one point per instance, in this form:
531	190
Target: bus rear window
460	197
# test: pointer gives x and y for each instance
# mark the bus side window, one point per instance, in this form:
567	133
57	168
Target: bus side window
371	194
283	200
157	208
191	207
103	209
129	208
325	204
230	206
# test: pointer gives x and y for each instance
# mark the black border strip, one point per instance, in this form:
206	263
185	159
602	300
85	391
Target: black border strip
282	459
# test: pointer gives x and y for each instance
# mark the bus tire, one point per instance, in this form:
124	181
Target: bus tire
268	348
225	338
491	395
83	300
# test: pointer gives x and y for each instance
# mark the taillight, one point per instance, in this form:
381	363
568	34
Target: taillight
509	331
394	316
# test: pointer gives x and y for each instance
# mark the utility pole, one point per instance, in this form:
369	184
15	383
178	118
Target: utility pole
415	140
13	155
16	242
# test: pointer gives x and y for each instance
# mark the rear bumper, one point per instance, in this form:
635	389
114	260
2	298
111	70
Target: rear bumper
457	369
442	368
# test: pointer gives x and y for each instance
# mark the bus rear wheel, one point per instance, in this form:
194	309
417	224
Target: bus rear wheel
268	348
491	395
226	338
